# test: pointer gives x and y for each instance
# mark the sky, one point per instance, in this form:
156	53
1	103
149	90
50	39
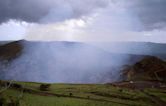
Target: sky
83	20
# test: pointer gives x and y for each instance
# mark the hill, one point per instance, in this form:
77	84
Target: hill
10	50
149	68
29	94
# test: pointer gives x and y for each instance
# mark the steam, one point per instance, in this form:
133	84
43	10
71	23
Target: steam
64	62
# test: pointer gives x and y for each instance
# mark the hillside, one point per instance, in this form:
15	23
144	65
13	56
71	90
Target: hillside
149	68
10	51
30	94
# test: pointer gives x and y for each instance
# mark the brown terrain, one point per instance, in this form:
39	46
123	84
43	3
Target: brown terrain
149	68
10	51
150	72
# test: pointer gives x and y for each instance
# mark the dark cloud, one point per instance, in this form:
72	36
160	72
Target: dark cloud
21	10
45	10
150	12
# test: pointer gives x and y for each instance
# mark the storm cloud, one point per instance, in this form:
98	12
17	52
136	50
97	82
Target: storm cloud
83	20
44	11
150	12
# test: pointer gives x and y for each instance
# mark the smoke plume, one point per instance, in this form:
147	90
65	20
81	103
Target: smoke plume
65	62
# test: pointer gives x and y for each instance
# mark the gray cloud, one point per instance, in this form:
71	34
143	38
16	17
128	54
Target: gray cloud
47	10
150	12
137	20
29	10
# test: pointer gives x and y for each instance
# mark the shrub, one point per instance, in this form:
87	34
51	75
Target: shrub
45	87
70	94
2	101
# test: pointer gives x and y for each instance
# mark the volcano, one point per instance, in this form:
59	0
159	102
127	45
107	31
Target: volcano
69	62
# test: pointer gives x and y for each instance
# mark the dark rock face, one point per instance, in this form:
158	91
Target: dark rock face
149	68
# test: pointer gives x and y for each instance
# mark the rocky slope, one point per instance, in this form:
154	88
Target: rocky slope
10	50
149	68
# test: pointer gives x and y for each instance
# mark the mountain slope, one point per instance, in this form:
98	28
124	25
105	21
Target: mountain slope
10	50
149	68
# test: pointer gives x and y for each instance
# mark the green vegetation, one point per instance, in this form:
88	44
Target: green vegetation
157	92
78	95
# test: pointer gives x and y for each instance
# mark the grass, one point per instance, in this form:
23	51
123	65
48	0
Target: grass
157	92
36	100
83	95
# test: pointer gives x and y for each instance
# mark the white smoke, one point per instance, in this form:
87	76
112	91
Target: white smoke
64	62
